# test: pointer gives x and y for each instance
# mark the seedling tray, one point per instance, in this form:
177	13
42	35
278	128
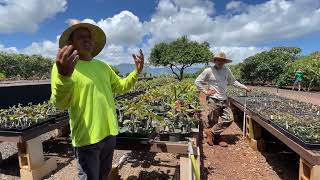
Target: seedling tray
307	145
285	132
296	139
17	131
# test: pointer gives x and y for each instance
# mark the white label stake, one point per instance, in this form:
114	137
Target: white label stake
244	118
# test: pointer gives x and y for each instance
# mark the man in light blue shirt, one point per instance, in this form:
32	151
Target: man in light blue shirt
217	78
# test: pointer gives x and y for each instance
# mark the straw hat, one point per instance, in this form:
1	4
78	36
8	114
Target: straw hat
221	56
97	35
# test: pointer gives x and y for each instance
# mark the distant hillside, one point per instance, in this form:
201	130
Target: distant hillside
125	68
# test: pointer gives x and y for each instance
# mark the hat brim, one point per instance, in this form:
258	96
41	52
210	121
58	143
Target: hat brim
97	35
222	59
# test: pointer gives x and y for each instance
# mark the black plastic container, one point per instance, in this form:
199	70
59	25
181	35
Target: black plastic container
174	137
13	93
164	136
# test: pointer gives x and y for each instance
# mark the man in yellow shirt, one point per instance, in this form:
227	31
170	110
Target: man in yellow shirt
85	86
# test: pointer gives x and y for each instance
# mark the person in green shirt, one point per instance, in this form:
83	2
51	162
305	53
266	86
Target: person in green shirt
85	86
298	79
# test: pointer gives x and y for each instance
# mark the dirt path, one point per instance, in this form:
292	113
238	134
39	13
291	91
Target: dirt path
311	97
239	161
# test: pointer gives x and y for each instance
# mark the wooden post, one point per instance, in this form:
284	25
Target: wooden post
185	173
32	164
308	171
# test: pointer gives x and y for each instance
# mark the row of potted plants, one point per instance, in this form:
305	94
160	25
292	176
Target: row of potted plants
172	110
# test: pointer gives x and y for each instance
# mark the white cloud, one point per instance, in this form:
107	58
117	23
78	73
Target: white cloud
46	48
236	6
190	18
166	8
8	49
253	25
114	54
233	5
237	32
121	29
25	16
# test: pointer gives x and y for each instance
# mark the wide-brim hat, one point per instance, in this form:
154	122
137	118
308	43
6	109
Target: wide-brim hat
97	35
221	56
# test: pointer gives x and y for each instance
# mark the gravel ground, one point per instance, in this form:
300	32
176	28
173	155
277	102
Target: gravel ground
9	168
151	166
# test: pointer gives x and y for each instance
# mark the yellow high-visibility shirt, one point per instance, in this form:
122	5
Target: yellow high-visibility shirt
88	96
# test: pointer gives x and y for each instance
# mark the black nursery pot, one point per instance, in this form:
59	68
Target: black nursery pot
174	137
164	136
183	136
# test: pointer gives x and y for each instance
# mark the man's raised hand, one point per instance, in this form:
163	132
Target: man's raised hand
139	61
66	60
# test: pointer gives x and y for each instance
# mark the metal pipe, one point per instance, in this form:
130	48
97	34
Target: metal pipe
195	169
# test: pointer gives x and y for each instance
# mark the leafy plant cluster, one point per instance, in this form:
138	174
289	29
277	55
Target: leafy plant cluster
20	117
172	107
299	118
144	85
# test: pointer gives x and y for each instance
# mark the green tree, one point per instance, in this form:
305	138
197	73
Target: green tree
180	54
236	70
248	69
267	66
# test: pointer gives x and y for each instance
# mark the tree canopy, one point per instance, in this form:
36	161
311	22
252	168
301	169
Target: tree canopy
24	66
236	70
310	66
267	66
180	54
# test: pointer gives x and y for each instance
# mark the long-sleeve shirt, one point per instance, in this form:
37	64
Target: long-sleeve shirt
217	80
88	96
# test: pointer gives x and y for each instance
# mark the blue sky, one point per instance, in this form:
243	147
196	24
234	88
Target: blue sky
240	28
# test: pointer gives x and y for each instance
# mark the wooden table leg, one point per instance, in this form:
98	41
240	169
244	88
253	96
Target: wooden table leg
308	171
